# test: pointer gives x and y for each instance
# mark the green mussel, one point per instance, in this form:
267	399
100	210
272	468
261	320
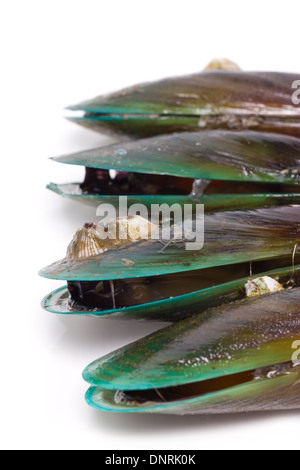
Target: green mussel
166	298
160	279
231	237
213	99
199	209
225	169
237	357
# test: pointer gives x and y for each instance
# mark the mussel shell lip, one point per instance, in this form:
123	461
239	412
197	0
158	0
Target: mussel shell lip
73	191
189	304
252	396
242	336
212	203
200	155
140	126
57	302
126	127
92	268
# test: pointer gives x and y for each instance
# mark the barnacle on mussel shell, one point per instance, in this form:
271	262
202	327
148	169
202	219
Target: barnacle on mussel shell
232	358
94	239
222	64
161	280
250	168
262	285
213	99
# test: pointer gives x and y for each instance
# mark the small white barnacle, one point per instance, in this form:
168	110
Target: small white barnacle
222	64
85	243
94	239
138	228
261	286
127	229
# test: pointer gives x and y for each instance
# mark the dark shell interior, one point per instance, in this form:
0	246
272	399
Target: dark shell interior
88	296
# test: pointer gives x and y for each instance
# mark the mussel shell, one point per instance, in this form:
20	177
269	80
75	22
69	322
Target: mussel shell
213	155
230	237
279	393
177	307
208	100
246	335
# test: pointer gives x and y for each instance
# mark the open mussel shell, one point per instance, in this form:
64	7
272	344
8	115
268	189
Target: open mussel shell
163	169
213	99
216	155
233	358
231	237
172	298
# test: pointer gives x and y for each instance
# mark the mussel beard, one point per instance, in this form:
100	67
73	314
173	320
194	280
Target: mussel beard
202	388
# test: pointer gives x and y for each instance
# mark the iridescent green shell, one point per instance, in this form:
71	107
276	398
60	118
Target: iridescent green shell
231	237
209	100
215	155
178	307
269	165
233	358
212	202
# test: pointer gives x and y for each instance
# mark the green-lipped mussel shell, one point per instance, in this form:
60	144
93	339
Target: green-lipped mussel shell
177	307
230	238
278	393
208	100
235	357
215	155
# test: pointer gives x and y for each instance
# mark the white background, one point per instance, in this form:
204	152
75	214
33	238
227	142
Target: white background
56	53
